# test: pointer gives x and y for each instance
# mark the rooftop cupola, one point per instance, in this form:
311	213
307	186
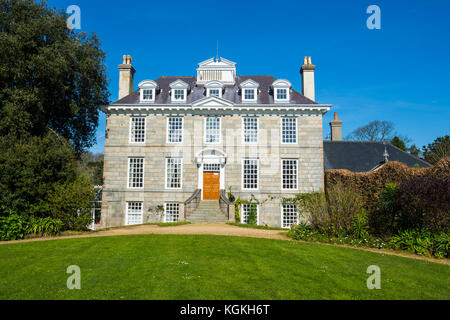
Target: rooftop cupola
219	69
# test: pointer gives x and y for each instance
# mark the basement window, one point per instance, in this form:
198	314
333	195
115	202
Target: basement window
171	212
289	215
134	213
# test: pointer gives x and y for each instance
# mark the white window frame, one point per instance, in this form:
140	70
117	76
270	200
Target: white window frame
243	215
281	84
168	130
296	177
174	99
257	174
127	217
219	91
206	130
147	85
180	170
296	131
142	95
129	185
255	95
168	204
244	131
277	94
282	215
131	130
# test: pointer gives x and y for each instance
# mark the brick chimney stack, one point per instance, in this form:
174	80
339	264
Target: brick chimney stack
336	128
308	85
126	77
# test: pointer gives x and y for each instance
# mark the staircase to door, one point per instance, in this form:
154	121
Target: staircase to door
208	212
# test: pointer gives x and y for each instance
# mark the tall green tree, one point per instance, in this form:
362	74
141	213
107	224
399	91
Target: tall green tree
437	150
50	76
399	143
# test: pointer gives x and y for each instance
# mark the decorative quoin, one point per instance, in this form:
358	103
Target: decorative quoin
179	142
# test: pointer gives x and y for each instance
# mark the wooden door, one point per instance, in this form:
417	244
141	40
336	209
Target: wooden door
211	186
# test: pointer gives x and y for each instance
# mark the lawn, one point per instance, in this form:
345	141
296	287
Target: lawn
210	267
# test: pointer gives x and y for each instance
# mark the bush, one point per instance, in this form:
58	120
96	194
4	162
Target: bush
423	242
13	227
44	226
383	220
425	204
360	225
71	202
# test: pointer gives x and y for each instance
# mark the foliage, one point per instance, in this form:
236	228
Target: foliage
437	150
13	227
44	226
71	202
383	221
423	242
51	77
91	167
360	225
425	203
399	143
264	227
253	214
30	167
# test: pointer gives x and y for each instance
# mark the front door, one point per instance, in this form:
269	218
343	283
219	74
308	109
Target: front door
211	185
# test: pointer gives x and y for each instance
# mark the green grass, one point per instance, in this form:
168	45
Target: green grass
210	267
252	226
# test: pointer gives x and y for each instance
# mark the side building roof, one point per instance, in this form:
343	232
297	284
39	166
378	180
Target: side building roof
364	156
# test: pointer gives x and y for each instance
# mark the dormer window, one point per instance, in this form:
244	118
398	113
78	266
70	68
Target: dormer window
249	89
179	90
214	89
281	91
147	91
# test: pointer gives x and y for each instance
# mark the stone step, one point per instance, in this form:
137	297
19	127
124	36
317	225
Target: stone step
209	212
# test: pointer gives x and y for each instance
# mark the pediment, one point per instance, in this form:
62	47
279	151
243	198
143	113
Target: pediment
249	84
179	84
212	102
214	63
150	84
282	83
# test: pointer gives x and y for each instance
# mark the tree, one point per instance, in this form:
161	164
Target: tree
437	150
399	143
414	150
50	76
374	131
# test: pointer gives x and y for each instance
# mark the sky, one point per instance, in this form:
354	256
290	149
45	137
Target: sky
399	73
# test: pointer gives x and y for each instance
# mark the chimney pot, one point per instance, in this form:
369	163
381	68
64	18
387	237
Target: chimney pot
336	128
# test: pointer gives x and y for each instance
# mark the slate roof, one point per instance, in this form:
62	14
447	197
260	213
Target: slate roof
231	92
364	156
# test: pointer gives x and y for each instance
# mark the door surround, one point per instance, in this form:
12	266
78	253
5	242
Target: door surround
211	156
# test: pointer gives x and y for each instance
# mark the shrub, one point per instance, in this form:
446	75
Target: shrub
423	242
382	221
360	225
425	204
44	226
13	227
71	202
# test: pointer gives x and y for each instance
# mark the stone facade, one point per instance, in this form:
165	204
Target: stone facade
269	151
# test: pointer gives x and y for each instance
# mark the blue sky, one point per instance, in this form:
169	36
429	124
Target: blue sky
399	73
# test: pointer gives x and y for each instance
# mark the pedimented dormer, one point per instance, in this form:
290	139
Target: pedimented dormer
147	91
214	89
222	70
179	91
249	91
282	91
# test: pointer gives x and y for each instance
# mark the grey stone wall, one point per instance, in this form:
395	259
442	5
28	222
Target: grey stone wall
269	151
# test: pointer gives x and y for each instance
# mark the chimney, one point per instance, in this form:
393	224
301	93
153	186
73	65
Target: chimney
126	77
336	128
307	72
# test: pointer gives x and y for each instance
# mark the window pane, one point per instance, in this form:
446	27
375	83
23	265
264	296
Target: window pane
281	94
214	93
147	94
290	172
249	94
290	215
250	174
175	130
136	173
134	213
212	130
179	94
137	130
172	212
250	130
246	210
173	173
289	128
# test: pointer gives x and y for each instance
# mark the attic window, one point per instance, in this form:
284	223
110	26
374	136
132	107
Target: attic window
214	93
179	94
249	91
147	91
179	90
214	89
281	91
